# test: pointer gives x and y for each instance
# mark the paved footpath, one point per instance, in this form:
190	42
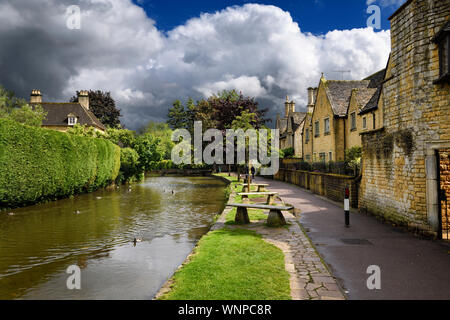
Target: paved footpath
411	267
309	277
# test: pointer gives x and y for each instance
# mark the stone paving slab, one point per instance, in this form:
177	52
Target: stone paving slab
310	279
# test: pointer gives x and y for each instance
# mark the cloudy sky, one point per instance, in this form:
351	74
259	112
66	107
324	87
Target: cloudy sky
147	54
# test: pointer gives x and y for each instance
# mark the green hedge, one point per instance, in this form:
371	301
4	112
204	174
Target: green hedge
39	164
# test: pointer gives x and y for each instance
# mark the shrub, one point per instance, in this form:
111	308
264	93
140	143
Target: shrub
129	165
39	164
288	153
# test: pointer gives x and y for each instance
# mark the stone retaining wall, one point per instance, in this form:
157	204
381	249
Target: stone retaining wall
329	185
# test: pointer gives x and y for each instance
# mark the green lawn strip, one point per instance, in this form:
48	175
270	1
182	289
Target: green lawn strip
253	214
232	265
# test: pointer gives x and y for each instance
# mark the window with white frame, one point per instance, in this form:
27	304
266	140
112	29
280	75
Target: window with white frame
364	122
72	120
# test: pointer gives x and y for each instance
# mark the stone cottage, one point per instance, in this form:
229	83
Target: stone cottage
336	116
63	115
291	128
405	170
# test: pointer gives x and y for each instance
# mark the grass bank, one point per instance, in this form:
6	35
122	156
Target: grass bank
232	264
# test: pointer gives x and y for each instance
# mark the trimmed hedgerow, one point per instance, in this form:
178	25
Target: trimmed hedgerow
38	164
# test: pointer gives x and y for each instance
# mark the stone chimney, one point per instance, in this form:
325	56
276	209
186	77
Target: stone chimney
36	96
311	99
289	106
83	99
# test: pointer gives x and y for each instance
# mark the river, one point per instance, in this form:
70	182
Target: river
95	232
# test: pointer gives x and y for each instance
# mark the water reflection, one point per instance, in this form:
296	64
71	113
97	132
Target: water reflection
96	232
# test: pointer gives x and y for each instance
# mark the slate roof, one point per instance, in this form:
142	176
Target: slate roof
57	114
283	125
340	91
376	82
295	119
365	97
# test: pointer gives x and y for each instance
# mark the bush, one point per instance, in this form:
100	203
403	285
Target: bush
39	164
288	153
129	166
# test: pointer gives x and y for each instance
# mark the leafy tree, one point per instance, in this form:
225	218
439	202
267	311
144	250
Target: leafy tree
164	133
191	111
122	137
129	165
28	115
227	105
149	153
19	110
104	108
177	116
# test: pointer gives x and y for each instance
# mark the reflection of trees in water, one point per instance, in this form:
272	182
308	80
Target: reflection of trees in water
57	237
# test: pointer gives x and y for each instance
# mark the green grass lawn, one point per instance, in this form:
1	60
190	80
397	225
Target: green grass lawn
232	265
253	214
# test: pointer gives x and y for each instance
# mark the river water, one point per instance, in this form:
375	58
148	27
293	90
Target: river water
95	232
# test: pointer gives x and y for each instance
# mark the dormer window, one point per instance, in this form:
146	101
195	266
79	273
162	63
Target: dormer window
442	39
71	120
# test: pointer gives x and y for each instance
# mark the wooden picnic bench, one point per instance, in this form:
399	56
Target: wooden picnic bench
261	187
270	195
275	219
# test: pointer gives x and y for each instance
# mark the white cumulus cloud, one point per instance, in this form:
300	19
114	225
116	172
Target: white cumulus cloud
257	49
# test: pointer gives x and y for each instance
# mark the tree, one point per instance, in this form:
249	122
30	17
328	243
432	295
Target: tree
19	110
227	105
103	107
245	122
177	116
149	153
164	133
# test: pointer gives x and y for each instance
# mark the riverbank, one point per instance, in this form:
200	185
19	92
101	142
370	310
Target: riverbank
95	231
230	263
300	273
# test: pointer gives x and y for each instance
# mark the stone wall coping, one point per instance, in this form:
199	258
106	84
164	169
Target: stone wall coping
372	131
322	174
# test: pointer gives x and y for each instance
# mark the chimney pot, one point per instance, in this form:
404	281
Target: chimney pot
83	99
36	96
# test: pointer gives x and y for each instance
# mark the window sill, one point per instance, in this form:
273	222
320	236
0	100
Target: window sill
443	79
327	133
354	129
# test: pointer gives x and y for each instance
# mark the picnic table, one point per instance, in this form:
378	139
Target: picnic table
275	219
261	187
270	195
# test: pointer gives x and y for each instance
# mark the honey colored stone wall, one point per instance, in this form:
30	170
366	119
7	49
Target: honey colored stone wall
444	179
352	137
307	145
395	183
328	185
324	143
